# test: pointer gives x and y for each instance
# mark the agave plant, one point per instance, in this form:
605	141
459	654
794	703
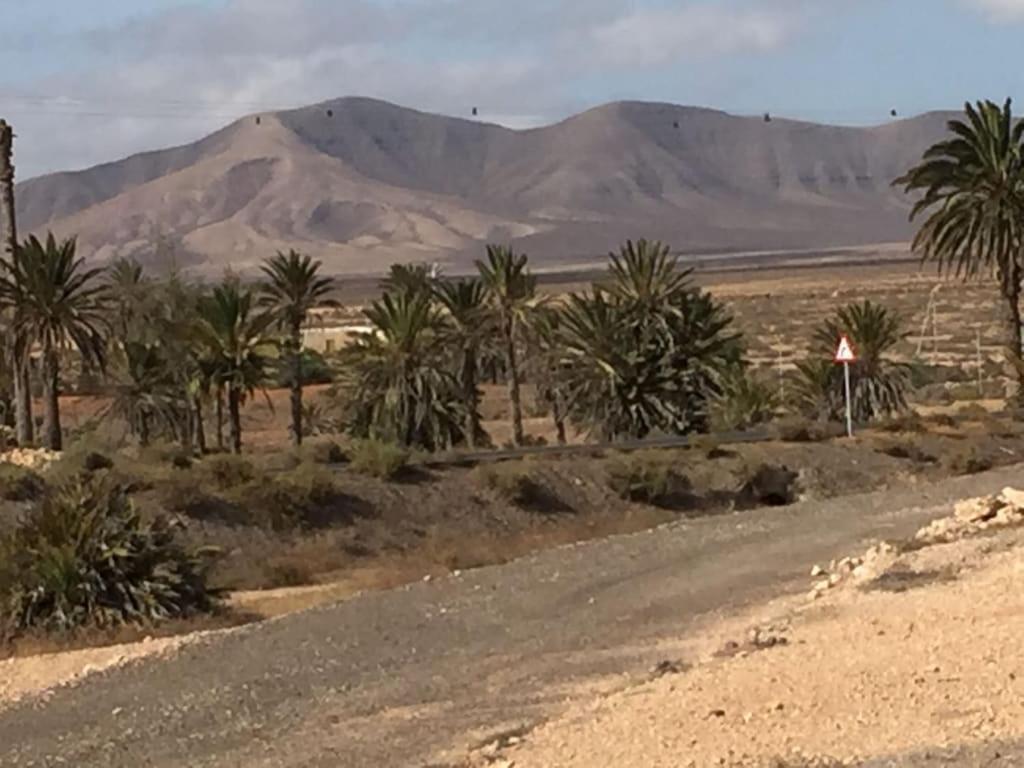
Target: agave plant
85	557
878	384
398	385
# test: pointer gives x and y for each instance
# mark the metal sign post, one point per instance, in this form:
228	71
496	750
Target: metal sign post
846	355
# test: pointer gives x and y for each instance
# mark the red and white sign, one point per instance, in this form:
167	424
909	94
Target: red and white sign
845	353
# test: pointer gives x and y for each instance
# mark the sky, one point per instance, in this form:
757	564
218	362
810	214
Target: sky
89	82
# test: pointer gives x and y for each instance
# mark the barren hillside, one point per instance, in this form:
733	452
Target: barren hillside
363	183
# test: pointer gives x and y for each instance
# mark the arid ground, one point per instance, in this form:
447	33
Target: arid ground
439	620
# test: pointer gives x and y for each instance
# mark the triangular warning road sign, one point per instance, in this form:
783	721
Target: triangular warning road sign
845	353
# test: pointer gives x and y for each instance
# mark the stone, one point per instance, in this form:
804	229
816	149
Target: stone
977	510
822	586
817	571
1013	498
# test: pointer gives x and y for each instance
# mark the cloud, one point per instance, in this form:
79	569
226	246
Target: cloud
172	76
657	36
999	10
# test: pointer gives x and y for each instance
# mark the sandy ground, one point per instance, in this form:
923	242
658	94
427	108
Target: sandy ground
21	677
926	654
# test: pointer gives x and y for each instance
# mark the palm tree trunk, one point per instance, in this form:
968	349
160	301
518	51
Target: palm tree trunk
296	385
513	383
471	397
200	427
51	395
23	425
1011	319
235	417
558	415
143	429
220	417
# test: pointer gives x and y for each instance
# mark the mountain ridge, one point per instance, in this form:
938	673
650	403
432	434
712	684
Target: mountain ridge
362	183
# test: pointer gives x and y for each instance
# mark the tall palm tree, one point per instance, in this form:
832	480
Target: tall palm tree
511	293
238	345
971	189
465	307
60	303
398	381
293	287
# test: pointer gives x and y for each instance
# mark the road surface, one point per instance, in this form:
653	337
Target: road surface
389	679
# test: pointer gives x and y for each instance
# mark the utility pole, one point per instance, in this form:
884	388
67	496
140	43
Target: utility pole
17	359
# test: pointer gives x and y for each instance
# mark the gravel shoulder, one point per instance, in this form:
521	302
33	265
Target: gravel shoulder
921	664
426	674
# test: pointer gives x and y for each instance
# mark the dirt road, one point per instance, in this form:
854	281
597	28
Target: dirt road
411	677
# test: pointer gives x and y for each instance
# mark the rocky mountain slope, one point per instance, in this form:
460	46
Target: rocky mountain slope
362	183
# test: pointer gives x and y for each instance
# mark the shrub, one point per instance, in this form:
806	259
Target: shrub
797	430
86	558
96	462
513	482
743	402
770	485
20	483
301	498
379	459
647	477
967	460
328	452
909	421
907	450
226	471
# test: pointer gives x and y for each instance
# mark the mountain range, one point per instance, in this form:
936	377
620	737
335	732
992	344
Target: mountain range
362	183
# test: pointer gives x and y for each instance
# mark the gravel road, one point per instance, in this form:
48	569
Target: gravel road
391	679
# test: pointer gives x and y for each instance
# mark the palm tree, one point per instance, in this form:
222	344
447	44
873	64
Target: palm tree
547	365
130	295
397	379
238	347
144	394
59	302
644	352
972	191
294	286
511	293
879	385
465	307
411	278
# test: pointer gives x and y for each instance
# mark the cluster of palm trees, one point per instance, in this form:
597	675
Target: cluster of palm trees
643	351
640	352
167	347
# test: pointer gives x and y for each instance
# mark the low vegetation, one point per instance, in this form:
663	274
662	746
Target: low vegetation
85	557
648	477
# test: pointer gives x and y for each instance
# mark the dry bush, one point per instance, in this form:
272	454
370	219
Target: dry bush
515	482
648	477
907	449
769	485
908	422
379	459
226	471
966	459
20	483
800	430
